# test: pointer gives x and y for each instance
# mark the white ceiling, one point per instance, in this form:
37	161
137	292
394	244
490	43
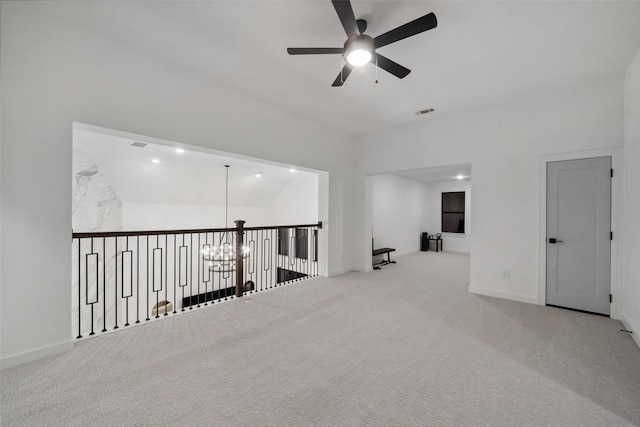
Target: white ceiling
481	53
189	178
438	174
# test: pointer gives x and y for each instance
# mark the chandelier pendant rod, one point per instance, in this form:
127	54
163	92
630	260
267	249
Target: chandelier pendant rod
226	200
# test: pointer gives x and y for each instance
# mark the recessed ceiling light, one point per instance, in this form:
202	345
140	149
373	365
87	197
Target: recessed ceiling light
179	150
460	177
292	170
155	160
258	174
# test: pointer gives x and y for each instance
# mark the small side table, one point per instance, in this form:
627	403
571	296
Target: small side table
435	238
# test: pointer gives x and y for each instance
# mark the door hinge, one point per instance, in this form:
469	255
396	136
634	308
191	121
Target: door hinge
611	235
611	172
610	298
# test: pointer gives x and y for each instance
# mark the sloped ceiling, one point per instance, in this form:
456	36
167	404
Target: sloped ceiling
481	53
188	178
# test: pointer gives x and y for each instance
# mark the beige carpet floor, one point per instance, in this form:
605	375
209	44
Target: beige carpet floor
404	346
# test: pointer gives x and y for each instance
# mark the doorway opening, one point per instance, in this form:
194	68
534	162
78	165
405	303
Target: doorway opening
404	205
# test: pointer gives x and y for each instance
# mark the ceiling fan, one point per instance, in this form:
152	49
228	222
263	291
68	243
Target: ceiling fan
360	48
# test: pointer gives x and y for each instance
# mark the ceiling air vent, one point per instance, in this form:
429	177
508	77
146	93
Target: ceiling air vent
139	144
428	110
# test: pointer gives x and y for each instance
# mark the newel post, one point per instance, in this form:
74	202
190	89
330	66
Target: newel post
239	257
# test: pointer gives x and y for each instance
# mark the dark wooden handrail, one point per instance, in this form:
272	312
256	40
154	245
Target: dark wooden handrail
187	231
279	227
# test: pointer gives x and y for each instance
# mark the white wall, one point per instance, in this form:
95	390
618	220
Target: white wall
450	241
149	216
54	72
297	203
397	212
631	200
503	144
95	205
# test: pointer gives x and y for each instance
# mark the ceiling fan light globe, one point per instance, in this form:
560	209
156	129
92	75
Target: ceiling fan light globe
358	57
359	50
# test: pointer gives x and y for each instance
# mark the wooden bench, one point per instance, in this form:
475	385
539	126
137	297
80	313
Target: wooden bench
382	251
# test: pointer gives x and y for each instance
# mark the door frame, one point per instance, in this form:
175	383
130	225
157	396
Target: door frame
616	221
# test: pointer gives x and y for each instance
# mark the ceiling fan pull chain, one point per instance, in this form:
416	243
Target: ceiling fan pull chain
376	69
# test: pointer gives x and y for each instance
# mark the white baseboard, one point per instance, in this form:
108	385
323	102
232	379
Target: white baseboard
504	295
30	356
635	335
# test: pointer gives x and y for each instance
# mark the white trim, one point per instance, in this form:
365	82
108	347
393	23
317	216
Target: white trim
30	356
635	335
503	295
616	223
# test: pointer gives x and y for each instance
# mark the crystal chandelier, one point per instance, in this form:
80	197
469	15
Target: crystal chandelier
223	256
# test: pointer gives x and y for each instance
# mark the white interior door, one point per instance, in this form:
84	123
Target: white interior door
578	234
